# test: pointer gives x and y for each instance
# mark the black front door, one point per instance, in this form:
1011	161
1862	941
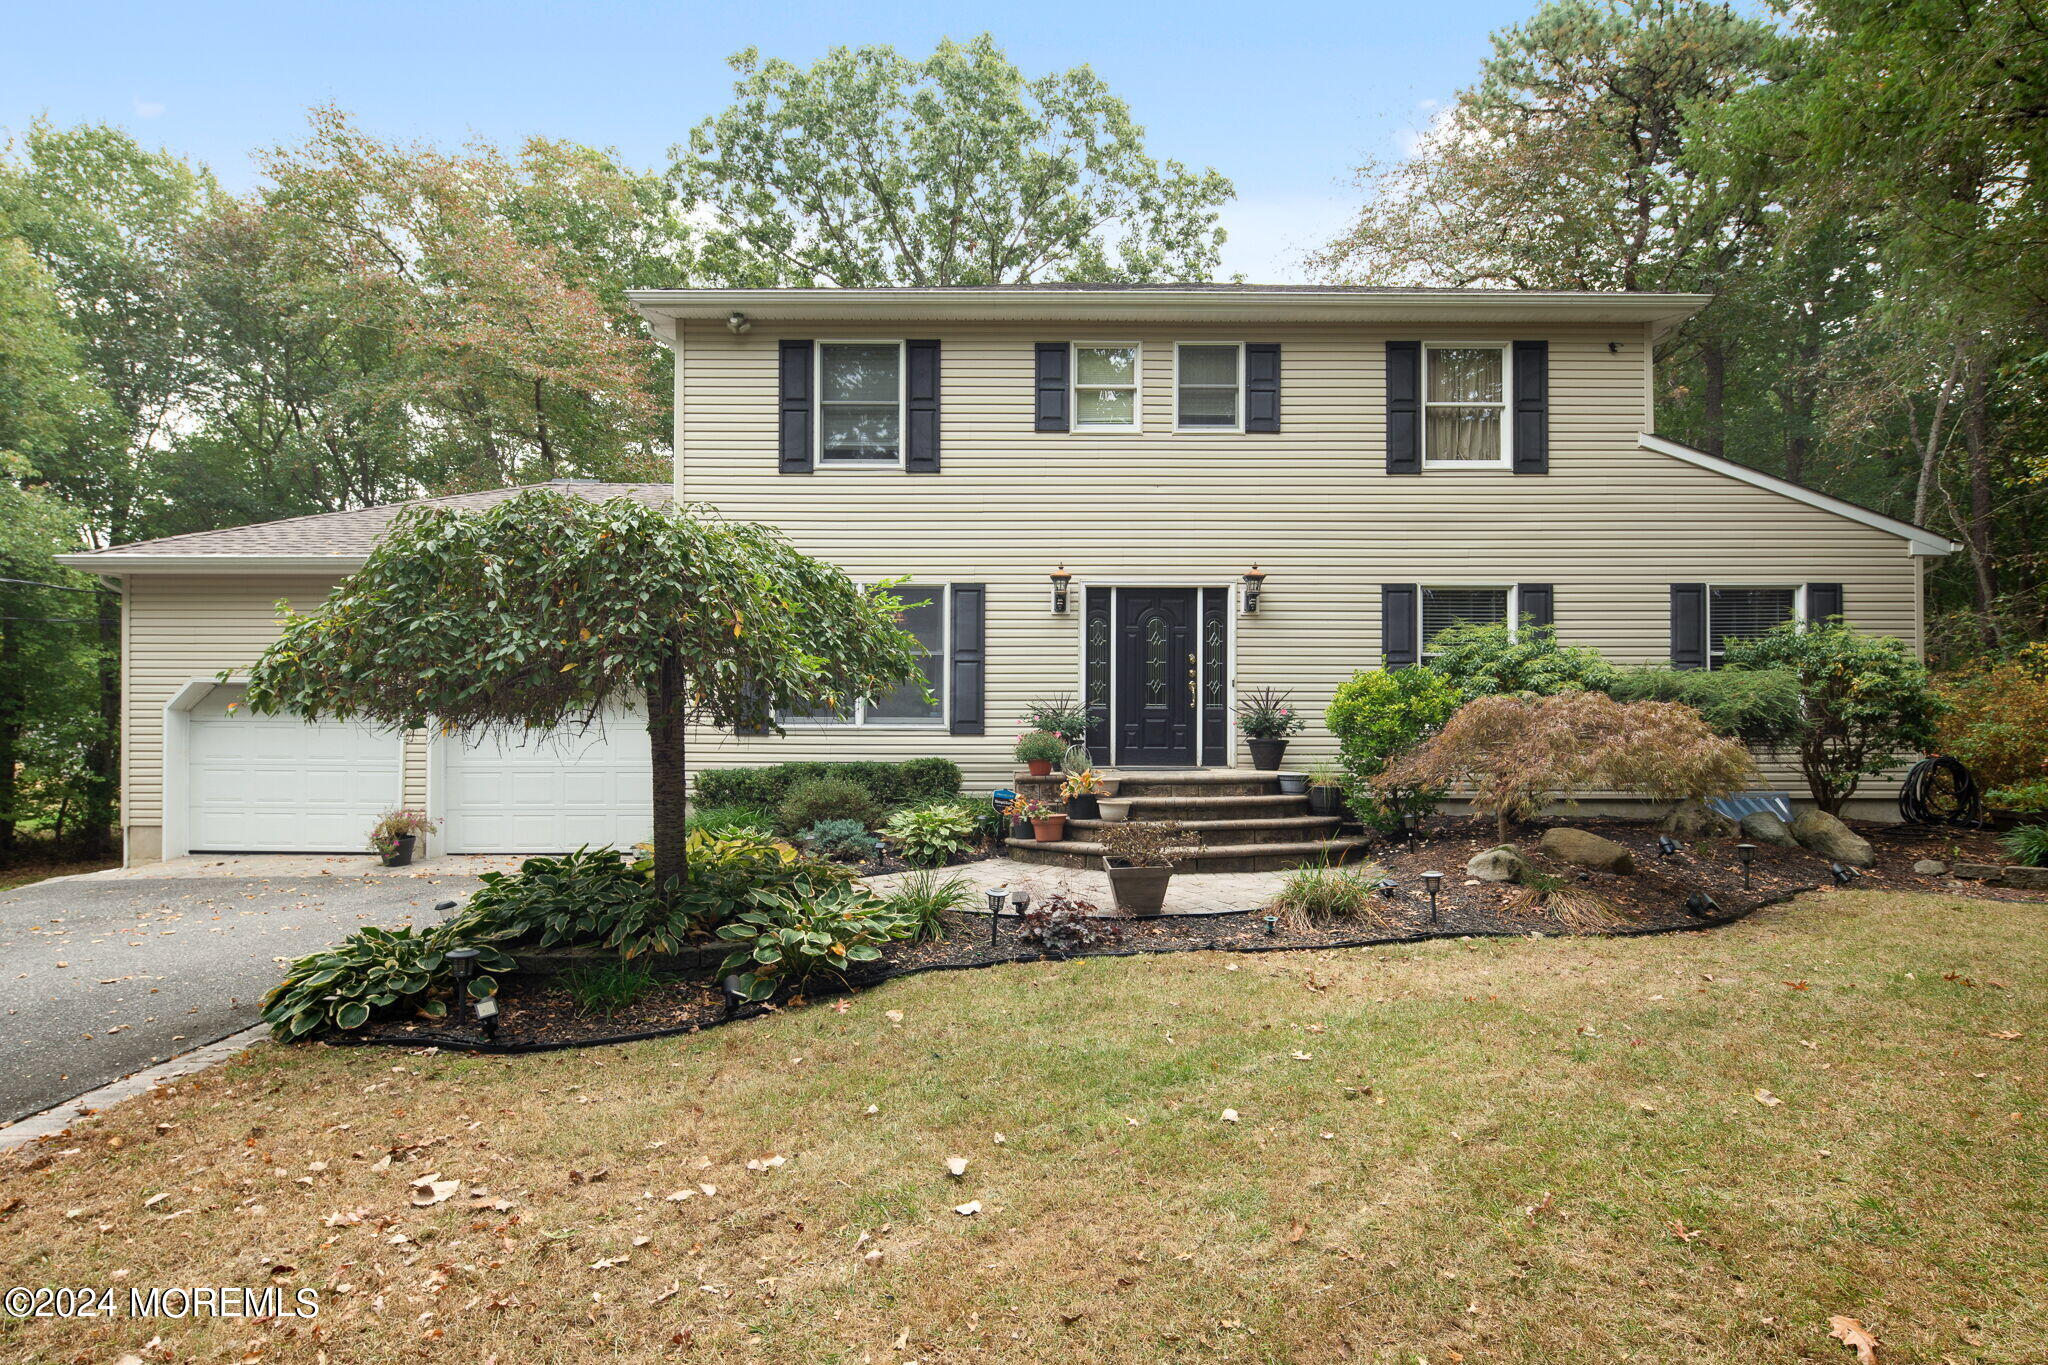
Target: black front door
1155	677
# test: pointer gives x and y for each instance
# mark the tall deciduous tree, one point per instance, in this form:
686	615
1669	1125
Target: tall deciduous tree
872	168
548	610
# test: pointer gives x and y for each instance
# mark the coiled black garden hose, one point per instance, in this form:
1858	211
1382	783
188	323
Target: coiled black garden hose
1940	791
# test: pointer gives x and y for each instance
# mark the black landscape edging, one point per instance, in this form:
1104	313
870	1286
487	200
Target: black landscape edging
564	1045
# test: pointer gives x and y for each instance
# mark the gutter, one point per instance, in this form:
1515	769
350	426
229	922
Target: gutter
110	563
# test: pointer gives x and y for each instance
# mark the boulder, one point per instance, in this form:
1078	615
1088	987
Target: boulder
1578	847
1695	819
1978	872
2027	878
1503	863
1764	827
1931	867
1829	837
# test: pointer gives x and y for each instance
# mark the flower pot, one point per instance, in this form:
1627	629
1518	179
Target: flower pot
399	852
1137	890
1114	811
1020	828
1110	785
1086	806
1293	784
1326	800
1039	767
1266	753
1049	830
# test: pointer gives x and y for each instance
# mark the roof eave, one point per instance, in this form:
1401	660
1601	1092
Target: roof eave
110	562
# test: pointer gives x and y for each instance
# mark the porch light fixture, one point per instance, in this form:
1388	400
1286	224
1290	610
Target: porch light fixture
738	325
996	897
1062	590
1745	854
1430	882
1666	846
1254	588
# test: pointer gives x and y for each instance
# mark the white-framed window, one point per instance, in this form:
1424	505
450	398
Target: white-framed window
1745	612
926	615
1460	605
1106	386
860	404
1208	382
1465	405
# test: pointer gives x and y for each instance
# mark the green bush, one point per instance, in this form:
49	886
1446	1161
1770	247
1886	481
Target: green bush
2028	845
826	798
891	784
786	939
2029	798
369	971
729	820
1377	714
1756	706
930	835
1482	661
840	839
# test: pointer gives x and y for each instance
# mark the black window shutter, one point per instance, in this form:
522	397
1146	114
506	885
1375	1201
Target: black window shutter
1688	625
750	730
1398	606
797	411
1532	407
1537	603
969	665
1051	411
921	407
1262	386
1404	408
1823	600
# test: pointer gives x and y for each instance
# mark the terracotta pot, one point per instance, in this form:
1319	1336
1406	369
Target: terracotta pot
1049	830
1266	753
400	855
1116	812
1039	767
1137	890
1086	806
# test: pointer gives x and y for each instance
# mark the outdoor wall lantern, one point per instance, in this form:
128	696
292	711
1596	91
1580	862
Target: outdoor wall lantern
1254	588
1430	882
996	898
1746	854
1062	590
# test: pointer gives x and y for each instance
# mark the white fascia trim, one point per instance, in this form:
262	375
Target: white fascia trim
103	563
1918	541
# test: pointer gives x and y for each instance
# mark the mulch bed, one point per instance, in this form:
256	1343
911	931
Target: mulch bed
539	1013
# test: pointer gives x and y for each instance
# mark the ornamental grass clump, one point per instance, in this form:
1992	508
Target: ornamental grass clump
1313	897
1511	755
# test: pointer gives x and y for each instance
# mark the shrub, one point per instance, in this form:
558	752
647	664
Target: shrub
1061	715
369	971
1268	714
1481	661
607	987
840	839
729	820
589	896
1864	701
1756	706
1996	722
2029	798
2028	845
1376	715
1513	752
931	835
826	798
1040	746
1146	843
921	901
891	784
1060	925
784	938
1322	895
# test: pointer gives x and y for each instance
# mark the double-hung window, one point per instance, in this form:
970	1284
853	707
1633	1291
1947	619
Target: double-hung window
1465	406
1443	608
918	702
860	403
1744	614
1105	387
1209	386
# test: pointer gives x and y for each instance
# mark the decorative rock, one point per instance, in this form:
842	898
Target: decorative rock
1830	838
1931	867
2027	878
1764	827
1977	872
1587	850
1503	863
1695	819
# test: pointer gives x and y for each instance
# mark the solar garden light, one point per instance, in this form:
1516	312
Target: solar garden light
1272	926
734	996
487	1015
1746	854
1411	825
1843	876
462	962
996	898
1666	846
1431	881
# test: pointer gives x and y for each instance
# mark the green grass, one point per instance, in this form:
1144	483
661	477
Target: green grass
1536	1151
607	987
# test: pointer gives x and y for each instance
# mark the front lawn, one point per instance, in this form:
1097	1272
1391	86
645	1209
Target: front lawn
1695	1147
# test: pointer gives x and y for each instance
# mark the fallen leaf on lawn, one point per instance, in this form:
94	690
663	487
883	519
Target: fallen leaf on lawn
1230	1116
1682	1232
430	1191
680	1195
1297	1231
641	1241
608	1263
1855	1336
1301	1056
768	1163
956	1165
893	1016
968	1209
1766	1097
578	1178
710	1191
2006	1034
156	1199
1000	1139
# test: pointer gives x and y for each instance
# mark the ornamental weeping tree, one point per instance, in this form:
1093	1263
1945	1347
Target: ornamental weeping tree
547	610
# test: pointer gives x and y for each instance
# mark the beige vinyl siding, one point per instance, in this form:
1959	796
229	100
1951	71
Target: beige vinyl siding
1611	526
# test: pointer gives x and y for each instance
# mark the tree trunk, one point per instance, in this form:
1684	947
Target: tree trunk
101	814
667	704
13	718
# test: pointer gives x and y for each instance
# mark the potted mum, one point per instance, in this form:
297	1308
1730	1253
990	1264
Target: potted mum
1038	750
1138	856
1265	719
1048	822
396	835
1083	792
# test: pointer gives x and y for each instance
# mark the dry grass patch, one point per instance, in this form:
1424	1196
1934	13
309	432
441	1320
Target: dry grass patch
1694	1147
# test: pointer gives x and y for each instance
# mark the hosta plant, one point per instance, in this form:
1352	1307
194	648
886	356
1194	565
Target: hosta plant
591	896
725	873
370	971
932	835
786	939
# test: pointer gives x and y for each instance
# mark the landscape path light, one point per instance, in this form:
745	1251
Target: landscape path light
1431	881
1745	854
996	898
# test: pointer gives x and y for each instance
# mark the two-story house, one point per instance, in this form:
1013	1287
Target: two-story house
1152	498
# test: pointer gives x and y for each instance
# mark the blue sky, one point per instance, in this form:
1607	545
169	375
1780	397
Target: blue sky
1285	100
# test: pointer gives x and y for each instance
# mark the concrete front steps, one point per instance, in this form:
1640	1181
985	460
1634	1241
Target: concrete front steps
1247	823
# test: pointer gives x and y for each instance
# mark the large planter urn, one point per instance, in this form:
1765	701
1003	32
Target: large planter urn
1326	800
399	852
1267	753
1049	829
1086	806
1137	890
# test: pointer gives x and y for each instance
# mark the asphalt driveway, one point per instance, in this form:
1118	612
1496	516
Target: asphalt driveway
101	976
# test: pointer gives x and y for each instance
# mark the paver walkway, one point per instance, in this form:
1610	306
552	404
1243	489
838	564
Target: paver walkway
1198	893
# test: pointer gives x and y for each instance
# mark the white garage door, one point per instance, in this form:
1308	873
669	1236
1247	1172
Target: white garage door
273	784
548	794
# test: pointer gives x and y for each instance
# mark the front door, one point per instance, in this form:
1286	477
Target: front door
1156	677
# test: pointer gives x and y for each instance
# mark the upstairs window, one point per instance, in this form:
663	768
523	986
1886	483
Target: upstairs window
1105	388
1443	608
1465	405
860	403
924	617
1209	379
1744	614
